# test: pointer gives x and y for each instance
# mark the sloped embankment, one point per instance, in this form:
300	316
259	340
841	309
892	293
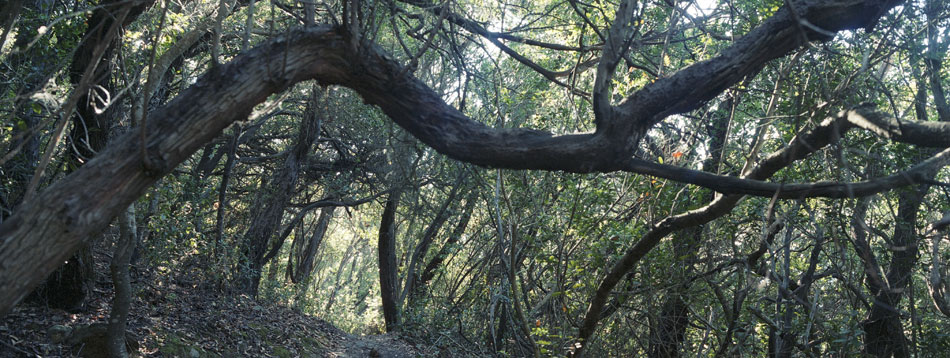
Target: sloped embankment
179	319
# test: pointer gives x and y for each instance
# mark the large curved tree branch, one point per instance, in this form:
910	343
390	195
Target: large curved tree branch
46	229
780	34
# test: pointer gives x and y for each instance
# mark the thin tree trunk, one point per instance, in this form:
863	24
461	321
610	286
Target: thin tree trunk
272	200
513	265
306	256
22	153
348	257
387	262
8	15
119	267
223	190
422	248
190	121
436	262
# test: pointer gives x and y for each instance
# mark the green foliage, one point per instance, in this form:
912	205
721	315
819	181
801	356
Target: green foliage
518	276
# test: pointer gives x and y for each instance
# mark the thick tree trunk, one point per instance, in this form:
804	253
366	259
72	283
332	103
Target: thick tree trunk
387	263
265	218
884	333
46	230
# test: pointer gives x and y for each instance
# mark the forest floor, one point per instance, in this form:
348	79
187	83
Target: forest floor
177	317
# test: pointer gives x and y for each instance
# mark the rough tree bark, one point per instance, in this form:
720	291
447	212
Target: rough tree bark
96	112
388	278
45	230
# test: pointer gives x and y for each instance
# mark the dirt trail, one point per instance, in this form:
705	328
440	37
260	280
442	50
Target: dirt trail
380	346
